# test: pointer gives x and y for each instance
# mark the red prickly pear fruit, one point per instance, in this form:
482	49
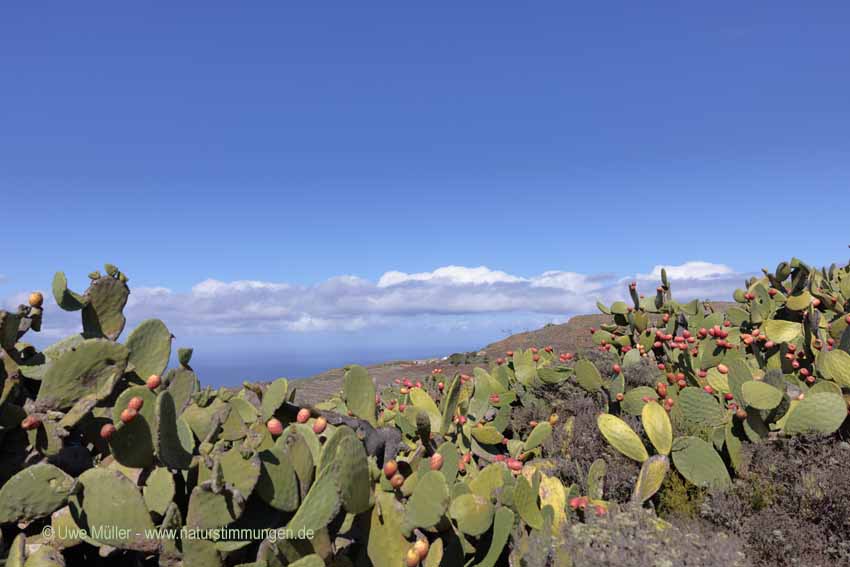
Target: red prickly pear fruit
319	425
741	414
411	558
136	403
620	397
436	462
682	383
722	368
509	354
274	426
728	396
617	369
30	422
36	299
153	381
107	431
397	480
303	415
708	389
440	386
421	548
536	358
390	469
128	415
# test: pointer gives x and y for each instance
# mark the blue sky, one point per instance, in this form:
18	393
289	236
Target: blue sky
291	145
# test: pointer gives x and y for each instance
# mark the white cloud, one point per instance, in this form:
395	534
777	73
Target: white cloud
450	275
453	296
690	270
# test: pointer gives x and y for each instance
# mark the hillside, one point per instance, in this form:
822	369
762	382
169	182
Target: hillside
572	336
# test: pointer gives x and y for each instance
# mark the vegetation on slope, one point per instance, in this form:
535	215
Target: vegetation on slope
686	436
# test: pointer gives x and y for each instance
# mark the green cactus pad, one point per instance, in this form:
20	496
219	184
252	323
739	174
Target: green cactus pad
428	503
358	391
633	399
183	384
473	514
65	298
90	369
588	376
159	490
539	435
297	451
132	443
386	545
278	484
273	397
782	331
173	440
503	523
243	473
148	399
488	480
209	510
699	463
150	348
319	507
449	404
525	503
835	365
822	412
596	479
425	404
651	477
622	437
34	492
700	408
103	313
733	446
487	434
112	504
761	395
524	366
658	428
343	455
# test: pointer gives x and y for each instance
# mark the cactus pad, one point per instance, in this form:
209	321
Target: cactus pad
622	437
698	462
34	492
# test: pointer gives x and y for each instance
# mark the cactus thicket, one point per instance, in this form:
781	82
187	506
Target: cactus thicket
98	434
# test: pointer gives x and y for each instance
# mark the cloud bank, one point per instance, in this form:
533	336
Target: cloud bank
450	296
